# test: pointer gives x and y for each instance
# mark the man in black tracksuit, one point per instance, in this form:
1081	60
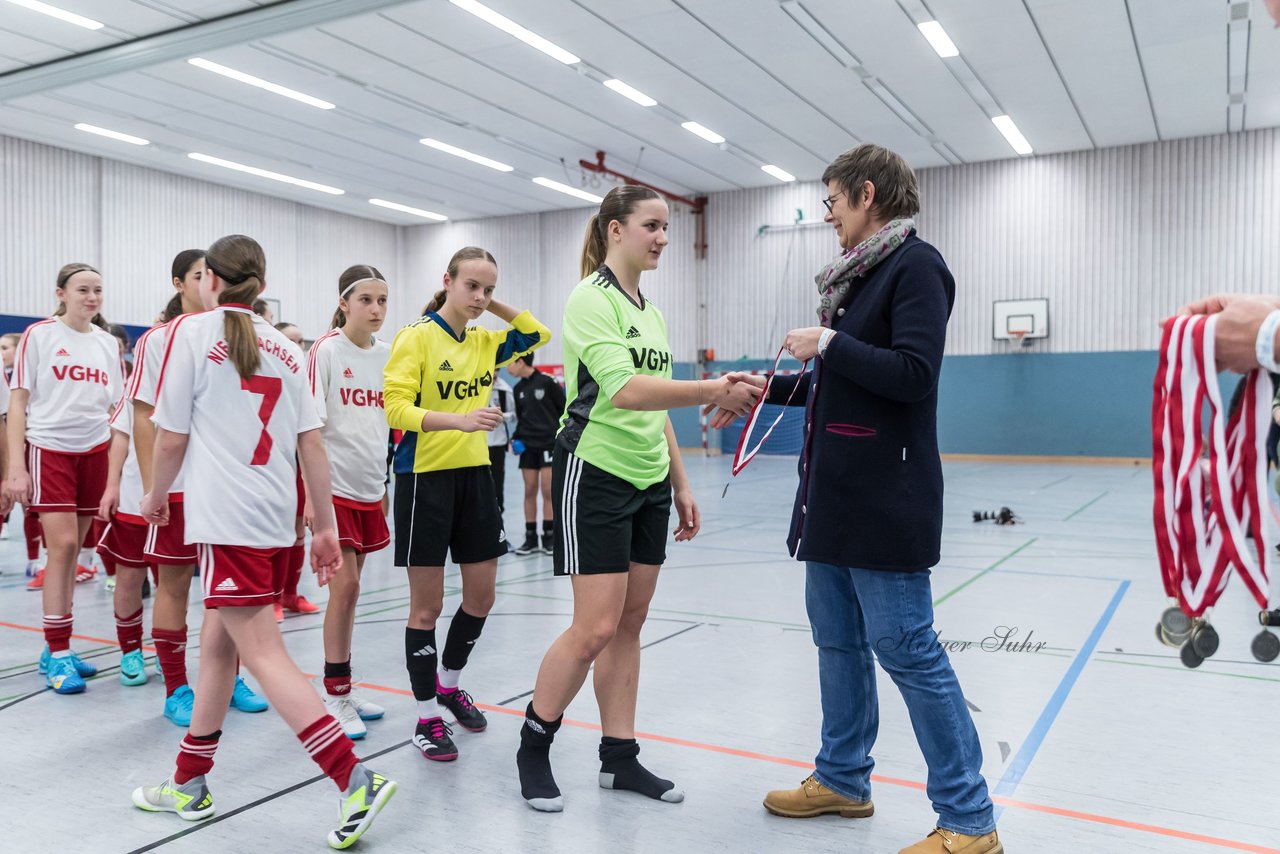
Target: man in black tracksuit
539	407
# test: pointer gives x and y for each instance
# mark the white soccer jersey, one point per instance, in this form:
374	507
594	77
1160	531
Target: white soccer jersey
4	398
75	378
346	382
148	353
243	433
130	477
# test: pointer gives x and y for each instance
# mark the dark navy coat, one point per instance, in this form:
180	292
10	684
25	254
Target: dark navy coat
870	492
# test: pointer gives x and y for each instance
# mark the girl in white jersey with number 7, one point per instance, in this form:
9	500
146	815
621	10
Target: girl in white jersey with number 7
234	407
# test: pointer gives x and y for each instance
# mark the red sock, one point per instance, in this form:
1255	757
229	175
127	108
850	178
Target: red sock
129	631
31	530
297	557
57	632
171	649
108	564
331	749
195	756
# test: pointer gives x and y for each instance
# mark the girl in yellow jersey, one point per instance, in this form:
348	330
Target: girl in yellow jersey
437	386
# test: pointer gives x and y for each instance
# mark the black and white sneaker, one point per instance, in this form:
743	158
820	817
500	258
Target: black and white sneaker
529	546
548	543
463	708
432	737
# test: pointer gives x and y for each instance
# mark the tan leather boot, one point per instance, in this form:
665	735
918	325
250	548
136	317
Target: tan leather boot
941	841
811	799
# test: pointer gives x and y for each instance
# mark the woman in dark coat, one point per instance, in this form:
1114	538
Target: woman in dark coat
867	519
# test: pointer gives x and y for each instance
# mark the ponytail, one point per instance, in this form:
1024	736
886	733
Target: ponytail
240	263
593	247
619	203
436	302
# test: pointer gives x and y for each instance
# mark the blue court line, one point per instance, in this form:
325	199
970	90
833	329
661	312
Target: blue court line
1018	767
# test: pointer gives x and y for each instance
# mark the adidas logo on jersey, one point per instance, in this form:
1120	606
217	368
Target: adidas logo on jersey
226	586
61	352
426	650
633	333
445	366
349	374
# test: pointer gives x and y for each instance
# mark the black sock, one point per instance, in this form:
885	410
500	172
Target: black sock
620	769
337	670
530	529
533	760
548	527
464	631
420	660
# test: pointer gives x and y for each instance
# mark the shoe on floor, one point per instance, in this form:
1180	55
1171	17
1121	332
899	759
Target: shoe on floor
279	609
366	795
941	841
178	705
62	677
344	711
133	668
110	584
548	544
433	739
244	699
462	707
37	580
812	799
85	573
367	709
191	801
529	546
299	605
82	667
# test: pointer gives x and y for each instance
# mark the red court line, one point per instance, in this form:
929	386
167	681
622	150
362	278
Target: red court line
795	763
895	781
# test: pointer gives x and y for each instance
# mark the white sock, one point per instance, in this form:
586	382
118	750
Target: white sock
86	557
449	678
428	709
62	653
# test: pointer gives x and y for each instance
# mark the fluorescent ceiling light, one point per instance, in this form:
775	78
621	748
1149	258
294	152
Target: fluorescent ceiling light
631	92
938	38
60	14
510	27
568	191
263	173
113	134
698	130
780	174
465	155
406	209
1006	126
199	62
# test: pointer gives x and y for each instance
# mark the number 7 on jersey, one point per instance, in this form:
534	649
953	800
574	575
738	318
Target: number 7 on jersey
269	388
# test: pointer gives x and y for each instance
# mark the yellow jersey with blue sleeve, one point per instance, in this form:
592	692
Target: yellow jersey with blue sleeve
432	368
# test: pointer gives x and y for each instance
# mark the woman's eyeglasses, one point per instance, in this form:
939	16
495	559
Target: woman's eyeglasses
829	200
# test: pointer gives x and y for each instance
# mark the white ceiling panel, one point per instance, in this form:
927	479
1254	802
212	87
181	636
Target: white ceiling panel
1073	74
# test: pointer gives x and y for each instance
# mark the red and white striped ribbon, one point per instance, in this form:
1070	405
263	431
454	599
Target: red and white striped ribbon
742	456
1201	528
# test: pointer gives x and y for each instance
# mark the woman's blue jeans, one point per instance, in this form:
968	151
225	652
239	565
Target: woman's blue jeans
858	616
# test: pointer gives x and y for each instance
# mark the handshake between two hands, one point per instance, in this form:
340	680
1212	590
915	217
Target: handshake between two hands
731	395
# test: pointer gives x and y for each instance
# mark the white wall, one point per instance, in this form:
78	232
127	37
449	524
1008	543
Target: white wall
1115	239
57	206
538	258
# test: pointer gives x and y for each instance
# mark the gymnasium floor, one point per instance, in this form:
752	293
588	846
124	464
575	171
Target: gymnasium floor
1101	741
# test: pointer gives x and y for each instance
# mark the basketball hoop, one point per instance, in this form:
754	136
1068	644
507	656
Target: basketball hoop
1019	339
